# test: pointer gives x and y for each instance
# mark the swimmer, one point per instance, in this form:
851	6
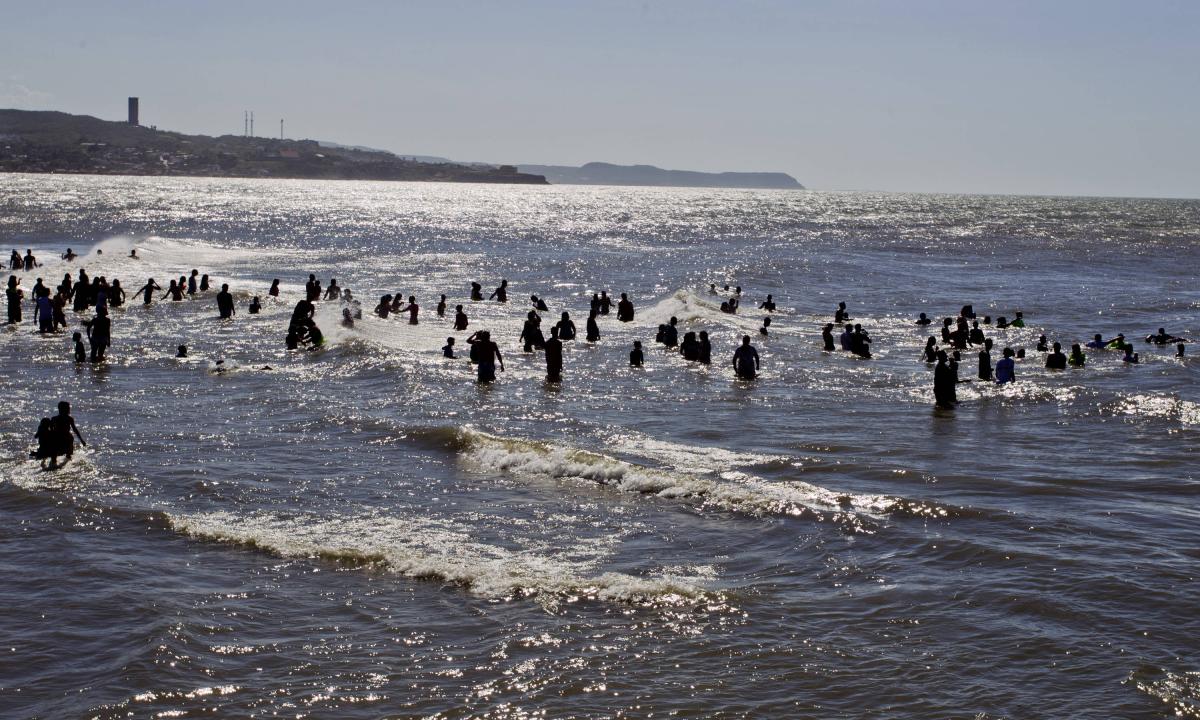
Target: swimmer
690	347
636	358
605	302
69	255
441	307
412	309
1056	360
1077	359
225	307
1162	337
255	306
1179	350
500	294
348	296
99	333
1130	355
846	338
827	337
712	287
397	302
1019	320
624	309
554	357
1098	342
333	292
174	291
460	318
347	318
181	351
1117	343
967	312
302	314
1001	323
745	360
565	327
922	320
192	283
765	326
448	349
1006	369
274	291
476	292
80	351
1041	344
30	262
768	304
133	254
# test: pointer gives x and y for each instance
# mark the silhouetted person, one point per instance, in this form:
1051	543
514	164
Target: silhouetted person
538	303
500	294
605	303
827	337
929	354
312	288
1001	323
99	332
204	283
62	426
384	308
554	357
30	261
945	382
531	332
193	283
225	303
636	358
14	294
448	348
841	315
595	304
441	307
1179	350
1019	320
69	255
133	254
1043	344
274	291
412	309
333	292
705	355
1006	369
302	314
765	327
860	342
44	436
976	337
485	354
923	320
476	291
116	294
1077	358
670	333
1056	360
460	318
347	318
181	351
1162	337
174	291
80	350
566	327
255	306
690	347
986	372
745	360
625	309
768	304
846	339
43	312
1130	355
967	312
593	329
14	263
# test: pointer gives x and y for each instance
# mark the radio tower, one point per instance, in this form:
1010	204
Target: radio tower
245	123
251	123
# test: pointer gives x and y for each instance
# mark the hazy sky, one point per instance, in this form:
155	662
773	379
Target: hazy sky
1070	97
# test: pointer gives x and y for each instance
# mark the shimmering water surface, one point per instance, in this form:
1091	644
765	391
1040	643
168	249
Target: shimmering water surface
364	532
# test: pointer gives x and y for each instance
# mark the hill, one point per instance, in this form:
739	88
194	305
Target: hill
55	142
598	173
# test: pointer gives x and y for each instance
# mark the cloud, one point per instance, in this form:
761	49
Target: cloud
15	94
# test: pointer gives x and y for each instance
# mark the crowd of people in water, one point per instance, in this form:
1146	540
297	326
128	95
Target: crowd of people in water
82	293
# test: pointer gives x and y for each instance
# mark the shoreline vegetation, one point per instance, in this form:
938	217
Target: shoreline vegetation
55	142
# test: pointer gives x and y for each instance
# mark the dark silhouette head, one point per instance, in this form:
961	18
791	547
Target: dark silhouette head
745	339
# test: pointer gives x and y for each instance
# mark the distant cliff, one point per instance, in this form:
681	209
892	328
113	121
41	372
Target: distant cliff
54	142
597	173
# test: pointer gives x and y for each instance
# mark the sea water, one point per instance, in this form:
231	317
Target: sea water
363	531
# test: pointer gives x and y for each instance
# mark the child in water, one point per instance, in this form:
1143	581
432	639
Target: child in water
635	356
80	351
45	439
448	348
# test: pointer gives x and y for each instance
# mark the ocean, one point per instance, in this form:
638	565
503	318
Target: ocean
363	531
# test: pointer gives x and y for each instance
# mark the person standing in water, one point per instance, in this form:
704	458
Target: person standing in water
441	307
1056	360
99	333
670	333
225	303
476	292
625	309
14	295
985	361
945	380
193	280
460	318
1006	369
500	294
636	357
62	442
593	330
554	357
768	304
705	356
333	292
605	302
485	354
412	309
274	291
827	337
448	349
565	327
841	315
745	360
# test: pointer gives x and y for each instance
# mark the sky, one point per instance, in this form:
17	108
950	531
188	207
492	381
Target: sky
1058	97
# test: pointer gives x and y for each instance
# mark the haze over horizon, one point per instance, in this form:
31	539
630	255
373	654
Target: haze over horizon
1073	98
